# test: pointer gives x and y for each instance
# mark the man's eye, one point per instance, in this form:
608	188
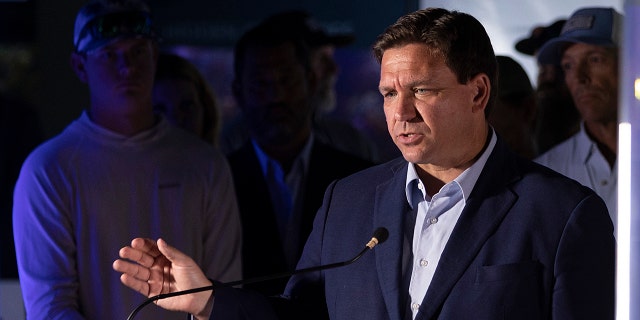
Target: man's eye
597	59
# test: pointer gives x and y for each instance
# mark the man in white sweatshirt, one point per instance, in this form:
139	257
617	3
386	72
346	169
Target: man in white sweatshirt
117	172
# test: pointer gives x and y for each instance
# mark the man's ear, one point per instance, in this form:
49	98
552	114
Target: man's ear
77	61
482	86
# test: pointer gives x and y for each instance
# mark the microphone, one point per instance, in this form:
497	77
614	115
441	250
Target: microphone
379	236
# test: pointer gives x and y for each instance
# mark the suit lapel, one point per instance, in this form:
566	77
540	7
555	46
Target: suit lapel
486	207
390	209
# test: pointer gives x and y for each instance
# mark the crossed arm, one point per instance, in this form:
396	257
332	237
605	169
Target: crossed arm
154	267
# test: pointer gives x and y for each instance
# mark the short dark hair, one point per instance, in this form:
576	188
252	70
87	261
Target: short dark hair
458	37
267	34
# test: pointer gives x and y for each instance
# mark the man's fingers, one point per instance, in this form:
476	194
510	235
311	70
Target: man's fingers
174	255
135	284
131	270
146	245
137	255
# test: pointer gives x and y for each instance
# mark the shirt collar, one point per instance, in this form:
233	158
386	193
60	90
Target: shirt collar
585	147
466	180
302	158
152	134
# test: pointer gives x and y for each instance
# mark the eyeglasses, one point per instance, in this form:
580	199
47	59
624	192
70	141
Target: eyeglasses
113	25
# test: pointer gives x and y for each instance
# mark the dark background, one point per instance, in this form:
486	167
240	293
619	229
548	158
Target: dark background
41	95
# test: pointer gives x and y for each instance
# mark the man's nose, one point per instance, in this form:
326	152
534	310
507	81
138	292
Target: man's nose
405	109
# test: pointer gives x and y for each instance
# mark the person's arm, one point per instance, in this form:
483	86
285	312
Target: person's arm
222	254
585	265
45	244
152	268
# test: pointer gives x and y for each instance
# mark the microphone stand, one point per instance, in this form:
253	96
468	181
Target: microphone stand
379	236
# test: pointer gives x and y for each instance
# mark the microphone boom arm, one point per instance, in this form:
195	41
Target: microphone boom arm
380	235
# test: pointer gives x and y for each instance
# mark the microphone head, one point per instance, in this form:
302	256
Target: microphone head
379	236
382	234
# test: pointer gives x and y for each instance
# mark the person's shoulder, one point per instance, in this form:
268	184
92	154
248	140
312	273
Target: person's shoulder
242	156
184	139
53	157
194	151
563	152
330	155
377	173
56	149
531	181
552	186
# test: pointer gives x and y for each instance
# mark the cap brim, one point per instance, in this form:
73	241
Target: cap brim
527	46
96	44
551	52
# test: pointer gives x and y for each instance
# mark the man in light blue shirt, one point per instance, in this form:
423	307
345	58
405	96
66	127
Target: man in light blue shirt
436	218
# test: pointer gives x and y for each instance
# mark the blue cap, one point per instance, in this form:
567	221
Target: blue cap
596	26
100	22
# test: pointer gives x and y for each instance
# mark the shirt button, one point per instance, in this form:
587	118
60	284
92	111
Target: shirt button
415	306
433	220
604	182
423	262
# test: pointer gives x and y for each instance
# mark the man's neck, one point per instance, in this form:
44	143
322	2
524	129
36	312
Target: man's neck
435	177
127	124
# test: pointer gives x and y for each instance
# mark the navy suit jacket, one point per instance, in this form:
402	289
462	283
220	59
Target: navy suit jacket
262	252
529	244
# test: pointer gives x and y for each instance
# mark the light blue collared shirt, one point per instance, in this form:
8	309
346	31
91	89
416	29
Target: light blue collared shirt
295	181
435	220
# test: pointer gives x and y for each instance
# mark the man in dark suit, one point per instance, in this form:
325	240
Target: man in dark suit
274	87
475	232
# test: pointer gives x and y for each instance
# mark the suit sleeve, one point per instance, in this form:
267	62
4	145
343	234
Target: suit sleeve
586	251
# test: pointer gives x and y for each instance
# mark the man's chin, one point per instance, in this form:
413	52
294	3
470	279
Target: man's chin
273	137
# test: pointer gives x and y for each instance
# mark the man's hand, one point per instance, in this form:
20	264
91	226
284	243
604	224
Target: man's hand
153	268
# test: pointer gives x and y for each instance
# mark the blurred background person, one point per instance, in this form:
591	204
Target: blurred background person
117	171
282	169
557	116
321	47
587	49
183	95
514	114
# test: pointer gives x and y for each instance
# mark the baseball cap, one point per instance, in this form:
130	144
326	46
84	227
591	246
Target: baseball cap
310	30
596	26
539	35
100	22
